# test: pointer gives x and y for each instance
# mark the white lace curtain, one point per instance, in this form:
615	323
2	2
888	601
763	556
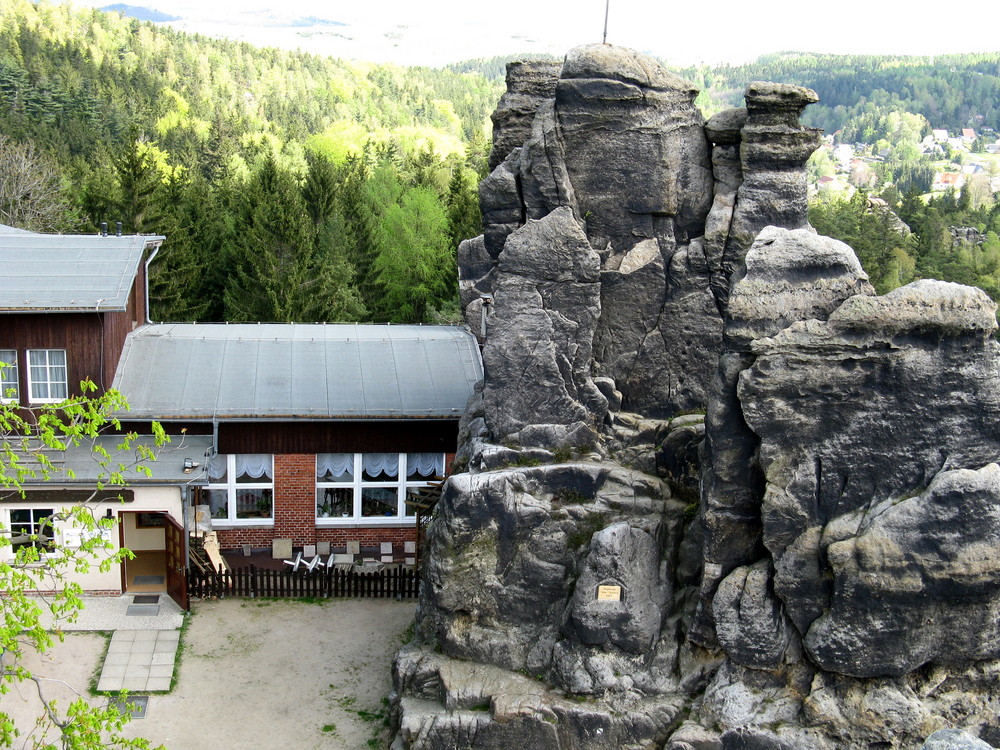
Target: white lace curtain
425	464
334	464
380	463
217	466
253	465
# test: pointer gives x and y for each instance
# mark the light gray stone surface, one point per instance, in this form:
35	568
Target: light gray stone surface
954	739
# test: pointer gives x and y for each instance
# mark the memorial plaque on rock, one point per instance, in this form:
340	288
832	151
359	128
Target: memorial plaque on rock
609	593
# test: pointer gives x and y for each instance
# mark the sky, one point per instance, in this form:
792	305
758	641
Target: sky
433	32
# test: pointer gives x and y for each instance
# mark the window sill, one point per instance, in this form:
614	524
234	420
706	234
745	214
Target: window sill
366	521
219	523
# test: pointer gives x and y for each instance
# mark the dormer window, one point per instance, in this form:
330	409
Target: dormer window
9	390
47	381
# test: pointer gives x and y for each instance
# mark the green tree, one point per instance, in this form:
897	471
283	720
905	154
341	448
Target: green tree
414	262
282	267
30	442
464	217
138	180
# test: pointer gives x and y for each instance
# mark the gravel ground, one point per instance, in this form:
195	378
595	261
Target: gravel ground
256	674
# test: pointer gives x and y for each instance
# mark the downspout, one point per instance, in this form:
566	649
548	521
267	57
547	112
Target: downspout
156	249
103	319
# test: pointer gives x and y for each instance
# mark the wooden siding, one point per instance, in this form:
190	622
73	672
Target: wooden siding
410	436
80	334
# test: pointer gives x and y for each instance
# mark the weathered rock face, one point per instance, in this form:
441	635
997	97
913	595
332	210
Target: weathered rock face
547	302
621	145
856	416
789	276
812	563
503	567
529	84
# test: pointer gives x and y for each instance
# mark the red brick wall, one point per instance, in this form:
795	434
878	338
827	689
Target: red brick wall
295	497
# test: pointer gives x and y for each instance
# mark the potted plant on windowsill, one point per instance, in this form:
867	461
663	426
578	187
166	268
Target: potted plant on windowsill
324	510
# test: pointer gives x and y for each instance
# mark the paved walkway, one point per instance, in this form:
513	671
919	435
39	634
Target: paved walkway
139	660
111	613
143	644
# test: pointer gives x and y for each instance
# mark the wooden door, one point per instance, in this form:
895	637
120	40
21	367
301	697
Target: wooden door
176	562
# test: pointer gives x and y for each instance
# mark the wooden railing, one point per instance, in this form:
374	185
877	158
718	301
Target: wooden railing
251	581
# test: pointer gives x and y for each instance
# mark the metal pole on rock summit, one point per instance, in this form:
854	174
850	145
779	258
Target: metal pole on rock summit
607	4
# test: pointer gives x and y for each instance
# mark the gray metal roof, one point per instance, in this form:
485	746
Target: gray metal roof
297	371
168	468
68	272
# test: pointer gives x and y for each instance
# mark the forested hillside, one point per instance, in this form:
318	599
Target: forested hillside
291	187
950	91
294	187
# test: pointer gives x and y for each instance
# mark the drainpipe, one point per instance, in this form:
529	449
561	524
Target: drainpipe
156	249
101	318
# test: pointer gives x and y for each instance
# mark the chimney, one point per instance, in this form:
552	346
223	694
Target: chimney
118	229
104	229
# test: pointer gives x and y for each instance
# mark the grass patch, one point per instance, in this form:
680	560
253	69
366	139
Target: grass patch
329	728
407	635
379	719
684	493
96	676
181	647
563	455
526	461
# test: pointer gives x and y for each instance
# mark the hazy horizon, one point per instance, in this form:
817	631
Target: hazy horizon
441	31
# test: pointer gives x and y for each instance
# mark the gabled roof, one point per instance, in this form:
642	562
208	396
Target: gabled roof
68	272
297	371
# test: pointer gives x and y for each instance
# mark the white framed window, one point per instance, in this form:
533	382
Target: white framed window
31	527
47	381
371	487
9	388
241	489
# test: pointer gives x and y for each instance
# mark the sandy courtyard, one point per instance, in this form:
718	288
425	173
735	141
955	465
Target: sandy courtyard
258	674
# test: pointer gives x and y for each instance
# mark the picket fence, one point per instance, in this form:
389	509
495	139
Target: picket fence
251	581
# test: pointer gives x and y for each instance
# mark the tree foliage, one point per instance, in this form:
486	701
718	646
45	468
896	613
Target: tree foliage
177	135
31	440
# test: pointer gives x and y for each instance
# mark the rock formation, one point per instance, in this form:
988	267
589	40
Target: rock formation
714	492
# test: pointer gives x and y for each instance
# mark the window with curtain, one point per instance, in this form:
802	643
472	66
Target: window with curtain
241	488
47	381
9	388
369	486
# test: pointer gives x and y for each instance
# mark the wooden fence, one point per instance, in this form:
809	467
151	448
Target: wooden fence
252	581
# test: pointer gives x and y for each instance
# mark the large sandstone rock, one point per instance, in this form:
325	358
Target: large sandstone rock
863	409
811	563
918	583
774	148
516	556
